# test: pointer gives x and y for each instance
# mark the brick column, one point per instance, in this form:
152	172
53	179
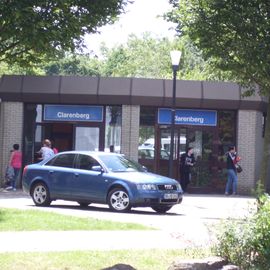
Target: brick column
11	131
130	131
250	147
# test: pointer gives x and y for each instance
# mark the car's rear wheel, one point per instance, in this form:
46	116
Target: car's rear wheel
161	208
40	194
118	200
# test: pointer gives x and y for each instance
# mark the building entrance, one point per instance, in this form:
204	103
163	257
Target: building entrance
67	136
207	174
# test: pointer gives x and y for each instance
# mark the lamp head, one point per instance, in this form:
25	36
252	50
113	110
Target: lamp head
175	58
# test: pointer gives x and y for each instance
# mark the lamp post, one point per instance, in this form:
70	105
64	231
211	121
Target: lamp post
175	58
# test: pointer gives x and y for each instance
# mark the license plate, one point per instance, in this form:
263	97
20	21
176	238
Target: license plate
170	196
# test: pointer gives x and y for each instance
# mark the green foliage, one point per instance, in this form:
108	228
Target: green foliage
30	30
149	57
233	34
74	64
247	243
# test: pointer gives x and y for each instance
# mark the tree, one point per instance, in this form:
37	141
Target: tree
74	64
235	35
31	30
149	57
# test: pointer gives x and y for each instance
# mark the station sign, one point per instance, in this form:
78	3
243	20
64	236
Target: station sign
188	117
73	113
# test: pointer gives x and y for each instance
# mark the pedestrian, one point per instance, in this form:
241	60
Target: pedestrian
46	150
112	148
187	161
232	179
15	163
55	150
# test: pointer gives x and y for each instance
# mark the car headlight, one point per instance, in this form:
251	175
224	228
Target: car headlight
178	186
146	187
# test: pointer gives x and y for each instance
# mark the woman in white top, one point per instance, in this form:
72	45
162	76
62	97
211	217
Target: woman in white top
46	150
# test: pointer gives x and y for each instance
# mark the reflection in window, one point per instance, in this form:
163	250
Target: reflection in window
147	133
32	113
113	129
227	131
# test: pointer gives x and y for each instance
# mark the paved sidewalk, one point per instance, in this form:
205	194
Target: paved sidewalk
43	241
186	233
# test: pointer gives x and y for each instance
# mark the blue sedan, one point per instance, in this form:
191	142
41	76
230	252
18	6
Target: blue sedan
99	177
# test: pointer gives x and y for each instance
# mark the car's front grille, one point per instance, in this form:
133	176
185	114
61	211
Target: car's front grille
167	187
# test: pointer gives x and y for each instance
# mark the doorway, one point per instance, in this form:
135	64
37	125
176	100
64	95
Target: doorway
68	136
206	174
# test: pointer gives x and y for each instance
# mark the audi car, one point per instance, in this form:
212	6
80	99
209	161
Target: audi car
99	177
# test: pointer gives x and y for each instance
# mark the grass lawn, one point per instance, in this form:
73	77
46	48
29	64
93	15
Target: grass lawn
35	220
97	260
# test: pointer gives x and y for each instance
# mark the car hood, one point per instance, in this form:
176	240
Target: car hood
143	177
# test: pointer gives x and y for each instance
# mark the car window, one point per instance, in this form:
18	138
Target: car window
164	154
118	163
64	160
86	162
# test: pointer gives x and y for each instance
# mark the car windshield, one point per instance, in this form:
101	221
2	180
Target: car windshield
118	163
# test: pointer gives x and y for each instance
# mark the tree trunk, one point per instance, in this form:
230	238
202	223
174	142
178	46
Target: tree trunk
266	149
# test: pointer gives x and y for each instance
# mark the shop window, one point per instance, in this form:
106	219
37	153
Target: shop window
32	113
113	129
227	131
146	148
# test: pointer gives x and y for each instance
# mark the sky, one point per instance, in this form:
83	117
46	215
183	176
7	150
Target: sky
140	17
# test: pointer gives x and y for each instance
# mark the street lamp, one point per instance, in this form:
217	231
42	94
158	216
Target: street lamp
175	58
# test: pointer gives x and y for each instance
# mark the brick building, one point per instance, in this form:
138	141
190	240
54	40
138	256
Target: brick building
131	114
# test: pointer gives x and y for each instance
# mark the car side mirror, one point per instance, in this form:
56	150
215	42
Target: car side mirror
97	168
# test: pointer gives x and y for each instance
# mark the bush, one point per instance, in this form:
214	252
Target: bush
247	243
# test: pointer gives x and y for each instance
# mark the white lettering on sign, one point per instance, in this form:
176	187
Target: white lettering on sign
76	115
189	119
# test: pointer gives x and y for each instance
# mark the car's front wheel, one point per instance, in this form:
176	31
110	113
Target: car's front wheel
118	200
161	208
41	195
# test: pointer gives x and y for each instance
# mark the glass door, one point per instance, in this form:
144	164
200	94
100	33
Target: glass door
87	138
204	176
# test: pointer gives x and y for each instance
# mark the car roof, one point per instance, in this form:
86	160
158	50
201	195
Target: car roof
85	152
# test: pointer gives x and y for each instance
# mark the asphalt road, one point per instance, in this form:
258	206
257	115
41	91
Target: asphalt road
188	224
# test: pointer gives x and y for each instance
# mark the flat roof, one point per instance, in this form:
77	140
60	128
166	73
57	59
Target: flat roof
129	91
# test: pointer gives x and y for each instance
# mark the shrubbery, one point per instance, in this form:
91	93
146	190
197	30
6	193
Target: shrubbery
247	243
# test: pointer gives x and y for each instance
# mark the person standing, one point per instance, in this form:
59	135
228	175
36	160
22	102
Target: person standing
232	179
187	161
46	150
16	163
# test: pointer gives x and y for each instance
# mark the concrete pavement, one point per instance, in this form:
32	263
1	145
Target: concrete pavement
171	238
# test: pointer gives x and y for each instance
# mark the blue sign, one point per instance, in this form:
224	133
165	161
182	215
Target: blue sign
188	117
73	113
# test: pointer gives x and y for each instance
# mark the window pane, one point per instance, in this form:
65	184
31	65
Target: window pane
227	132
87	138
31	113
113	128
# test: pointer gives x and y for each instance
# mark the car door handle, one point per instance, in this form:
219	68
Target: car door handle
51	172
76	174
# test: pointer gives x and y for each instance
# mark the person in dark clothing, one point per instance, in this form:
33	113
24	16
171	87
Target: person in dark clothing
232	178
187	161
